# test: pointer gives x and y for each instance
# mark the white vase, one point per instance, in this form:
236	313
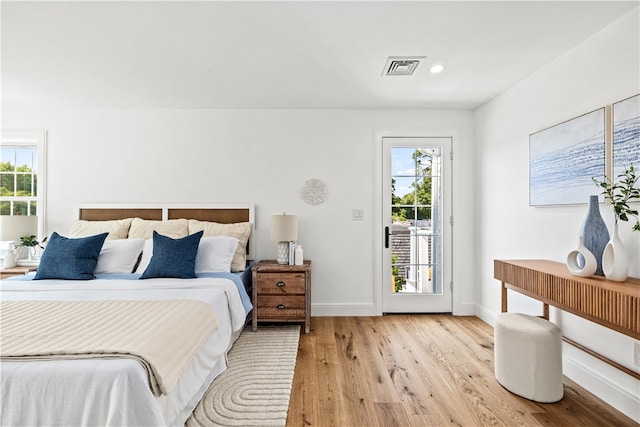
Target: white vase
615	262
9	260
298	255
581	255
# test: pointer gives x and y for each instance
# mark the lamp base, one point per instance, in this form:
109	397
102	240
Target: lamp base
282	253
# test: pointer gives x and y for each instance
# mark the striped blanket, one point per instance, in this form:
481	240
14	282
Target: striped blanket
163	335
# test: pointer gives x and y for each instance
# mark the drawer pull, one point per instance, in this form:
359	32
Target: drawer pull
280	284
281	306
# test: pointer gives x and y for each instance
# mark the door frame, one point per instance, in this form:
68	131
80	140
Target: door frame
378	223
440	247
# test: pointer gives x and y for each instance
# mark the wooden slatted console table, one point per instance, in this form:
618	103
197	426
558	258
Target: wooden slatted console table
615	305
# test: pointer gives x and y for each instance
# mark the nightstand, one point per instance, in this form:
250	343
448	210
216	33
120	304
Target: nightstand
281	293
15	271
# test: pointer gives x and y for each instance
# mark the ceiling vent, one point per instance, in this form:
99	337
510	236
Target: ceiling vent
401	65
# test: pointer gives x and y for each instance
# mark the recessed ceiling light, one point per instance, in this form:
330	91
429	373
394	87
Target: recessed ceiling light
438	68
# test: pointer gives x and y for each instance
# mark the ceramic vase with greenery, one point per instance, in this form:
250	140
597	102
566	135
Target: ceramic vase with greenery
30	242
615	262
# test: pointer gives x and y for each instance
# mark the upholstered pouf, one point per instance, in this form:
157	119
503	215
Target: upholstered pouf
528	357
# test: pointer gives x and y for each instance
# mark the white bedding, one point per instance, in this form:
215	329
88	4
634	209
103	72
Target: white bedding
115	391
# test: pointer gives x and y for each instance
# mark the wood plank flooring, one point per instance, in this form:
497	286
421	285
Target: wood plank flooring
419	370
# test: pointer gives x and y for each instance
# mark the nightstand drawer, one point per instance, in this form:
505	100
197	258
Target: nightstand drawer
276	306
282	283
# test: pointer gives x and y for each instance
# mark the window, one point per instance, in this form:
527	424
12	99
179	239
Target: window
22	174
416	216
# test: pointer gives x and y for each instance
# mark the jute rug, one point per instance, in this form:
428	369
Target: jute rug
256	387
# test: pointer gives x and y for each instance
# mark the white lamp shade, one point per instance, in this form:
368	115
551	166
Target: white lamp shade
13	227
284	228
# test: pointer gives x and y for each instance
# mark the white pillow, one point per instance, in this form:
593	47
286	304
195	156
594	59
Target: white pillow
215	254
147	252
239	230
119	256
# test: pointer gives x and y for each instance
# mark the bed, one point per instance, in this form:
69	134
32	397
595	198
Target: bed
46	381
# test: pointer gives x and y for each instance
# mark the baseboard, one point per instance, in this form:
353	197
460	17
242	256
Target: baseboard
341	310
487	316
623	400
464	309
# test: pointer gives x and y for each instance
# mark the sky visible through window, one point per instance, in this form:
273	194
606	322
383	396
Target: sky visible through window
20	157
403	168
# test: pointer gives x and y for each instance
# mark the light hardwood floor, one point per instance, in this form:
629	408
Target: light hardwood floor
419	370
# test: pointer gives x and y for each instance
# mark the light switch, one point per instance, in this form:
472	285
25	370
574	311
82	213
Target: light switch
357	214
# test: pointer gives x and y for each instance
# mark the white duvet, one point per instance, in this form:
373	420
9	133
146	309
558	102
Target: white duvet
114	392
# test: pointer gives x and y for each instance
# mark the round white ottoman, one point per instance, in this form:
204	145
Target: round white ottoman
528	356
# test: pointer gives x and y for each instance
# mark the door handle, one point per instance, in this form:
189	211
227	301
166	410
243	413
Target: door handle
386	237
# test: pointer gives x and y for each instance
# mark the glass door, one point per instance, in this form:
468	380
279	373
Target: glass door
417	225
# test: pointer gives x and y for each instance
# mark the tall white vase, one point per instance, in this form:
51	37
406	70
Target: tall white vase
615	262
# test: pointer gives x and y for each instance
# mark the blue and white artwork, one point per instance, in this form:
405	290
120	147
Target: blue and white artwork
626	135
564	158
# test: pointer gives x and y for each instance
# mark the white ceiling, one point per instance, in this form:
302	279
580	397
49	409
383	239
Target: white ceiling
295	54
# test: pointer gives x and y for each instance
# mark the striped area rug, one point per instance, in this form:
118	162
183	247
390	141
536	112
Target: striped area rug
256	387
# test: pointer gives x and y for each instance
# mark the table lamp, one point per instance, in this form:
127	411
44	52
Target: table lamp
284	229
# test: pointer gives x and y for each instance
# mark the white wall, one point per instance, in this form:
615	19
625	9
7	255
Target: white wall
602	70
259	156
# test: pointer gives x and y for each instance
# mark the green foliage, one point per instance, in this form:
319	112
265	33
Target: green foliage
16	181
621	193
30	241
6	166
398	279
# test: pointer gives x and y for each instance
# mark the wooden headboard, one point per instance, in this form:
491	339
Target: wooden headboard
225	214
107	214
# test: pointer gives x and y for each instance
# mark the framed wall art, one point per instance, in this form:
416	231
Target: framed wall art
626	135
563	159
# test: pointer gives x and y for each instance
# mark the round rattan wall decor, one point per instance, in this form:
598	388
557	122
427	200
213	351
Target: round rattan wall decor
314	191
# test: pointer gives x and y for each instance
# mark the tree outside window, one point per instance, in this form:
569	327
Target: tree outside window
18	180
22	174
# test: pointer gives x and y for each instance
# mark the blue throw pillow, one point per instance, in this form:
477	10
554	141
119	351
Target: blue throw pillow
173	257
70	259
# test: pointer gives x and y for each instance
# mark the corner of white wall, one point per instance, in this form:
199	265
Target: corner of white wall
566	87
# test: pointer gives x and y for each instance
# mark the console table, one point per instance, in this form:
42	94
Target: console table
615	305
